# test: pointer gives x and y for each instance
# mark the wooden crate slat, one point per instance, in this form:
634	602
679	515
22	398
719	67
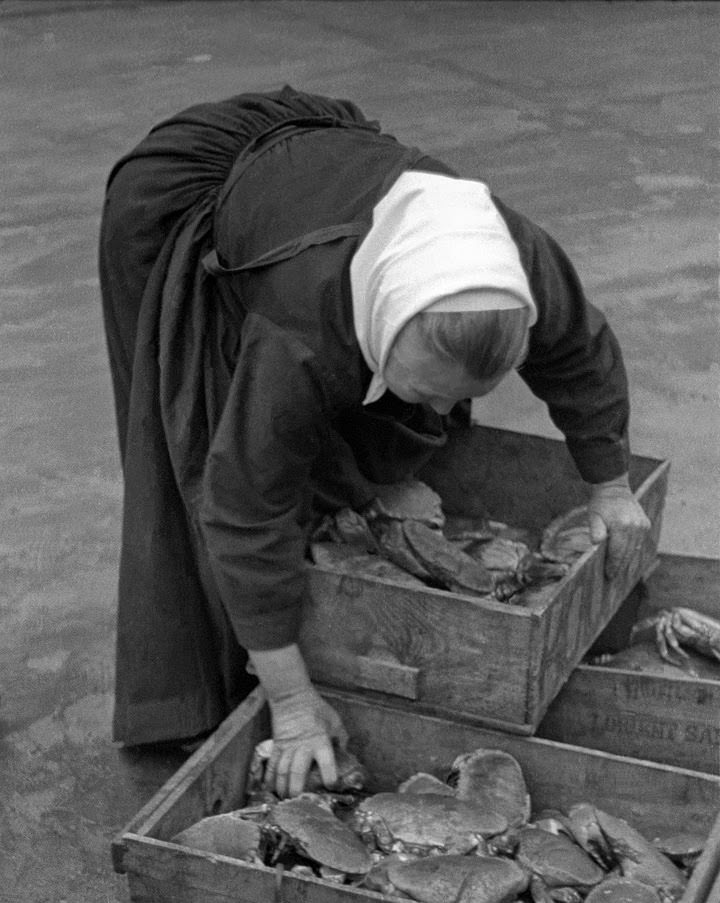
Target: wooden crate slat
467	654
210	781
166	873
671	720
682	581
643	792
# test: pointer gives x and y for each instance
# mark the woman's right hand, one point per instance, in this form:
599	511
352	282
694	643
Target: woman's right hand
304	725
305	728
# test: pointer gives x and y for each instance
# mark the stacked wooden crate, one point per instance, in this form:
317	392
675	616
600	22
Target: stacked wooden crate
420	675
671	718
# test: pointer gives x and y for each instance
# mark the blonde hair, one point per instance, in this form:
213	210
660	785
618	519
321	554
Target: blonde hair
486	342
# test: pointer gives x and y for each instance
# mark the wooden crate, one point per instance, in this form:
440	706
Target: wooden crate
451	653
671	719
394	743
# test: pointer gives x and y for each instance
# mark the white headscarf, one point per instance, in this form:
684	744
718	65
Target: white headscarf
432	236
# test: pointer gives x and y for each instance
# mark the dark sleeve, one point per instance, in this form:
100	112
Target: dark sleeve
256	477
574	363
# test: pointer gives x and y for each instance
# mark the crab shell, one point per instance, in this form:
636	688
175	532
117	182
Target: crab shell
474	879
226	835
640	859
320	836
409	500
622	890
583	825
679	627
500	554
425	822
567	537
683	849
492	779
425	783
556	860
445	562
395	547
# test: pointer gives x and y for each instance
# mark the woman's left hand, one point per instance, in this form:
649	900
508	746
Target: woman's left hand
616	515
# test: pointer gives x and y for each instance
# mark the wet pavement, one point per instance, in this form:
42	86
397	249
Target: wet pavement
597	120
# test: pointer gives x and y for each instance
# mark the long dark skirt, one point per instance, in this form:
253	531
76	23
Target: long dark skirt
179	667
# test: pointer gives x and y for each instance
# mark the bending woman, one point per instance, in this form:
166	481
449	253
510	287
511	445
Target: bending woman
296	306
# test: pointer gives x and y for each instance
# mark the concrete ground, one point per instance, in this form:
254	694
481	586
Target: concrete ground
595	119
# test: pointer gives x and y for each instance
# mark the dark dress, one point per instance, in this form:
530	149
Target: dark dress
225	248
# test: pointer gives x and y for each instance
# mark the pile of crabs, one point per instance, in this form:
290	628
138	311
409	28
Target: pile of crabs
467	839
404	536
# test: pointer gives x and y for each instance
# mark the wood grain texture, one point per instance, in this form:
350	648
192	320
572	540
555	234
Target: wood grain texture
684	581
471	656
395	742
379	673
212	780
670	719
498	663
165	873
647	716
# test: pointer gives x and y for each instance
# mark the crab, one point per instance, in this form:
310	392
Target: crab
622	890
424	823
567	537
393	544
684	849
625	848
492	778
406	521
448	565
559	868
228	834
351	774
676	627
347	527
499	554
532	571
407	500
302	826
463	879
421	782
645	656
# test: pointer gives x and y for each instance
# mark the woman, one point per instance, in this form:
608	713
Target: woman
295	305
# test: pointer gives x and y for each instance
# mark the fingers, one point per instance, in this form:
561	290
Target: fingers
620	519
297	771
325	758
624	545
618	554
287	771
335	728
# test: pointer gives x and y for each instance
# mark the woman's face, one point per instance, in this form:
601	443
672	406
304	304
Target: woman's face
416	374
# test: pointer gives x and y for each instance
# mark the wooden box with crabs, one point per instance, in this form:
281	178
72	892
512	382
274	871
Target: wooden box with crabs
425	809
651	689
474	590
